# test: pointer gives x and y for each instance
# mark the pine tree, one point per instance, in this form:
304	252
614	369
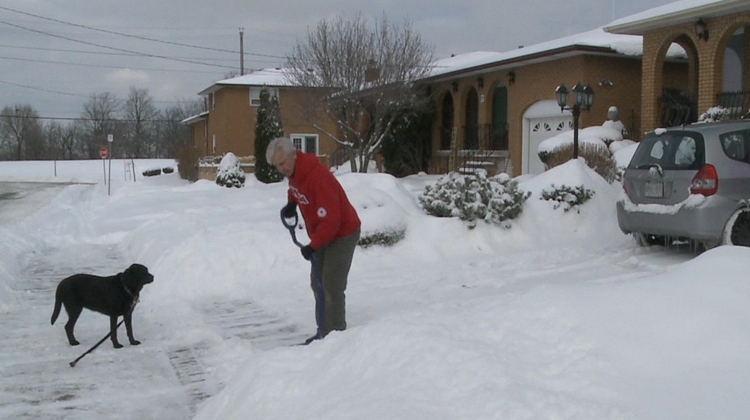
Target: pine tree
267	128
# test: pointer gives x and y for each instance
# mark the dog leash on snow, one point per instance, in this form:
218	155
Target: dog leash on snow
132	308
320	301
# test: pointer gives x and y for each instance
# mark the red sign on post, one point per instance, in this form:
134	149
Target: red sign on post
103	152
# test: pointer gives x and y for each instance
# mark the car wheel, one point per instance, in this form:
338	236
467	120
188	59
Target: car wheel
644	239
740	234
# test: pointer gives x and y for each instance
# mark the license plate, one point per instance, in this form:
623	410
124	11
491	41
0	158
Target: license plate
654	189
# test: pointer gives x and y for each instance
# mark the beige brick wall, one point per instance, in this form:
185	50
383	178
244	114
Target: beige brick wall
705	60
536	82
232	120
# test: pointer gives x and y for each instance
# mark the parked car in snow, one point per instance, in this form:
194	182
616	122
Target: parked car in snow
689	183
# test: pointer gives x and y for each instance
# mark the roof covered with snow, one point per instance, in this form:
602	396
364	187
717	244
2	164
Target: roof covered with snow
674	14
596	40
273	77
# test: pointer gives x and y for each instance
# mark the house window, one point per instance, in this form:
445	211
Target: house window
213	100
308	143
213	148
255	94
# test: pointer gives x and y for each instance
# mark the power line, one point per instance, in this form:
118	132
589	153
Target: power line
67	93
114	48
43	90
134	36
31	117
103	65
113	53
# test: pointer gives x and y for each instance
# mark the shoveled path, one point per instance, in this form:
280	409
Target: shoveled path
153	380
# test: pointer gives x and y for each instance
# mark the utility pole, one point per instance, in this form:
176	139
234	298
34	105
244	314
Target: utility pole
242	52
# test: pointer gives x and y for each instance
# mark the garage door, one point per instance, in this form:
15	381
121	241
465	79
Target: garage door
541	129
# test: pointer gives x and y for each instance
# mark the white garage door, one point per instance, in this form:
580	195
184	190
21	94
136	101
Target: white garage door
541	129
541	121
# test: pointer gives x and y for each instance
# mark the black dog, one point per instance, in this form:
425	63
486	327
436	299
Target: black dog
114	296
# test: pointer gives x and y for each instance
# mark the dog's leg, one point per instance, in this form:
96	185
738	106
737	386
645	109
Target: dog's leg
113	331
73	314
129	329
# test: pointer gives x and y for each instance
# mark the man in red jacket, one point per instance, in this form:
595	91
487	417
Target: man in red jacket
331	222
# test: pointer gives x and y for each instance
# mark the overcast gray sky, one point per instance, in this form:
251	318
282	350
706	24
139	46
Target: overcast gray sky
55	54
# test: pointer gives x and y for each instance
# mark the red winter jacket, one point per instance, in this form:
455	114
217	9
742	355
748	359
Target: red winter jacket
327	212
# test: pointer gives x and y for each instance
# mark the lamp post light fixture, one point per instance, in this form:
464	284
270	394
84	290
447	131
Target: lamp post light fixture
583	96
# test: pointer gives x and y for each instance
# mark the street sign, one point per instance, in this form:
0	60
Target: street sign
110	138
103	152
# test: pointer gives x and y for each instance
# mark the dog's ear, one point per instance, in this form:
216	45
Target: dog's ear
139	276
130	278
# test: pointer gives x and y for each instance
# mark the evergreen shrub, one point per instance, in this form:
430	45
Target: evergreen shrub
230	172
387	238
472	197
569	197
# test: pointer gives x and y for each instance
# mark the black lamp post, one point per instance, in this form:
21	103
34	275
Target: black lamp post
583	96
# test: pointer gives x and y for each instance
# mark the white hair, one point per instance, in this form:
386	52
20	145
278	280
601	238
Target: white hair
279	143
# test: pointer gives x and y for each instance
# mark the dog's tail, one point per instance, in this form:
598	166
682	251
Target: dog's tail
56	312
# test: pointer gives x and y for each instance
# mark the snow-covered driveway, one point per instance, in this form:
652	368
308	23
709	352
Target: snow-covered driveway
158	379
560	316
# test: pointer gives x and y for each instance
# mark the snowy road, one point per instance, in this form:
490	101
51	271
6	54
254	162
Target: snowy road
165	380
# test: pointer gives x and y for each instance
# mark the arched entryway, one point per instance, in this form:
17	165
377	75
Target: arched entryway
498	138
734	55
678	100
446	122
715	72
471	127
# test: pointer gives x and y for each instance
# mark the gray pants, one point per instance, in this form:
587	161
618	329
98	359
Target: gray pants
333	262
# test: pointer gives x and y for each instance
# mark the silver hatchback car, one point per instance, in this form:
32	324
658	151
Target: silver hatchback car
689	183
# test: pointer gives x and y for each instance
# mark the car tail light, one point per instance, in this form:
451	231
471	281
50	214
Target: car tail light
706	182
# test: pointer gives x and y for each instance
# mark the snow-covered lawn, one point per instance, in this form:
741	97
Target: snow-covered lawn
560	316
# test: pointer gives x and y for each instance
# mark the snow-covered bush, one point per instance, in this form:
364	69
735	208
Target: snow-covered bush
597	157
474	197
152	172
570	197
714	114
230	172
386	238
593	146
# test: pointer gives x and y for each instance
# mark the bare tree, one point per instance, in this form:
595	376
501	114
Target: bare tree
63	140
99	120
53	134
21	132
139	114
369	75
173	133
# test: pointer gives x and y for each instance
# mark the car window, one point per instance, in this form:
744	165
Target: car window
670	150
735	144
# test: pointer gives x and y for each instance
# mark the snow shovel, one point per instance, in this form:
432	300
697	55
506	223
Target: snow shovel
291	224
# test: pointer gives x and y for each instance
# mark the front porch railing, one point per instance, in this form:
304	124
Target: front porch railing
677	108
480	147
738	103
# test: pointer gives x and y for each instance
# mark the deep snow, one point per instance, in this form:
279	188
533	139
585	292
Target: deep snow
560	316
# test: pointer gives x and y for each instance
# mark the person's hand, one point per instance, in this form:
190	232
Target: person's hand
289	211
307	252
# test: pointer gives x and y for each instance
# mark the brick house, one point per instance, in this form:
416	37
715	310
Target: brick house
661	67
494	109
228	122
714	35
